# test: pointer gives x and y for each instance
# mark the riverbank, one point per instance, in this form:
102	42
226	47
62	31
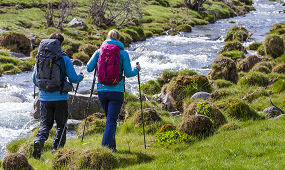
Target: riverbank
24	25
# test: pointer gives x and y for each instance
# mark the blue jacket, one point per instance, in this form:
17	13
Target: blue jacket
125	65
67	70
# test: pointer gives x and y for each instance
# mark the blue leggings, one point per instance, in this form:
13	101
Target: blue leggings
111	103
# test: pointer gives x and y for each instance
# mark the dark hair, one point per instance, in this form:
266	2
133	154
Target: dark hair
57	36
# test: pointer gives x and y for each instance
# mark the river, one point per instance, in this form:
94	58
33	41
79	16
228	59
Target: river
195	50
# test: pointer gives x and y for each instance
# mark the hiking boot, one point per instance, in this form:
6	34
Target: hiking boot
37	150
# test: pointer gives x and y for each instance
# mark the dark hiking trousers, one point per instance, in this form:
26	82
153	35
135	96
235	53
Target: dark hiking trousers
111	103
50	111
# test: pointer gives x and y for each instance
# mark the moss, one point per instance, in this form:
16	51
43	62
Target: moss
16	42
88	49
274	45
261	50
278	86
221	83
140	32
3	53
240	110
34	53
126	39
254	46
15	145
93	125
148	34
279	69
229	126
10	69
276	26
237	33
254	79
234	55
264	67
233	45
151	87
81	56
135	36
184	28
198	125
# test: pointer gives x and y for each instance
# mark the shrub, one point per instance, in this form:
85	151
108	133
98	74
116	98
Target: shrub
254	79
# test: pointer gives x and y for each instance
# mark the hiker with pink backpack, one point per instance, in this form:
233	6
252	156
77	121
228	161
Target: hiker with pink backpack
111	61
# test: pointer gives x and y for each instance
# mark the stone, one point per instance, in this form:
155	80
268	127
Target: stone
201	95
76	22
77	62
272	111
79	106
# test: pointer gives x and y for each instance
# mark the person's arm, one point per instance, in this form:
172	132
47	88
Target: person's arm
70	71
92	63
128	71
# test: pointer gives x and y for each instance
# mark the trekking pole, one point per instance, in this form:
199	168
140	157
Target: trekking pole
141	105
94	79
68	115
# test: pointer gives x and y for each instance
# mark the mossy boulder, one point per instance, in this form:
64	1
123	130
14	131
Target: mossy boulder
233	45
208	109
167	75
184	28
197	125
16	161
237	33
63	158
274	45
223	68
98	159
247	63
81	56
93	125
221	83
254	46
135	36
276	26
16	42
88	49
183	86
264	67
240	110
279	69
234	55
150	87
149	115
254	79
126	39
261	50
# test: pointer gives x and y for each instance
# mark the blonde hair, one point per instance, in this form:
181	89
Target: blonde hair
114	34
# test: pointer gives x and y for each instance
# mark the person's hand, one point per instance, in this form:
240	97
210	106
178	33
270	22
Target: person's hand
82	76
138	66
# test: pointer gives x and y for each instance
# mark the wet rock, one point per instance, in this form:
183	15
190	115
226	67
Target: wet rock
272	111
2	31
72	124
16	161
200	95
10	99
77	62
76	22
167	103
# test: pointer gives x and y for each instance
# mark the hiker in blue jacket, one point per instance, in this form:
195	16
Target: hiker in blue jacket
53	105
111	97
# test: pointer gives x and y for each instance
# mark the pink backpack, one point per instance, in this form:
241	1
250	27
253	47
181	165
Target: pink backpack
108	65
